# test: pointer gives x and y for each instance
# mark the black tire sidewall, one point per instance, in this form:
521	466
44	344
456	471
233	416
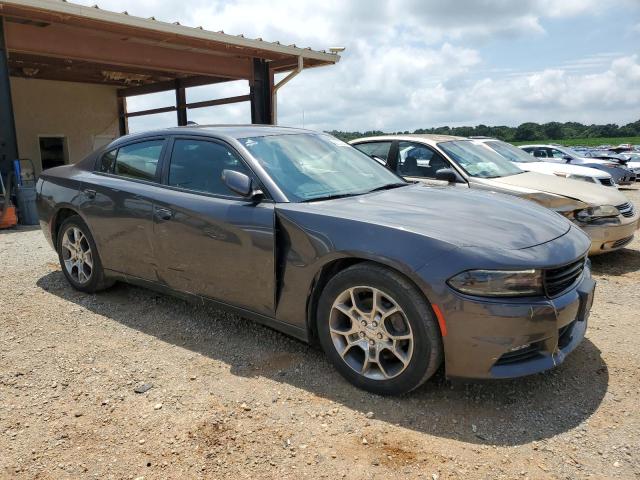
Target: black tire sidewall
96	281
427	348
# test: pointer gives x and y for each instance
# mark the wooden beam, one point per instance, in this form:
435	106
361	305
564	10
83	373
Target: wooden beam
206	103
181	100
80	44
187	82
220	101
151	111
123	125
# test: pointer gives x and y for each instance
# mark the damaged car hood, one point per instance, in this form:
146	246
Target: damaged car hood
464	218
585	192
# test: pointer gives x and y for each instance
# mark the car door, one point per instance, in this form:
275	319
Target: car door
416	161
209	240
116	202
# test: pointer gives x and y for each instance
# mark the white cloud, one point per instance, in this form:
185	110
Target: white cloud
411	63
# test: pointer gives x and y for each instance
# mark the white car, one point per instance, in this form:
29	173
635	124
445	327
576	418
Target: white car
530	164
559	154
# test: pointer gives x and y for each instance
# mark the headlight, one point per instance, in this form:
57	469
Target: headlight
498	283
594	213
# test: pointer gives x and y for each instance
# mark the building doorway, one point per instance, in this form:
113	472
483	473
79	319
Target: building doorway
53	151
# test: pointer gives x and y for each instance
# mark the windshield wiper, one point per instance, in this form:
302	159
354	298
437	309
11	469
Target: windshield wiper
388	186
330	197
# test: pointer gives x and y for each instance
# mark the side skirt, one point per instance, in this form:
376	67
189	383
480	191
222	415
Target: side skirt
287	329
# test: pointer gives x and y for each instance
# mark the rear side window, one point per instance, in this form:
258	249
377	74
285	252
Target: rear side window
107	161
197	165
139	160
375	149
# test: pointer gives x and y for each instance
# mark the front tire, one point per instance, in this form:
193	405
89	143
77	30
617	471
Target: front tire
378	330
79	258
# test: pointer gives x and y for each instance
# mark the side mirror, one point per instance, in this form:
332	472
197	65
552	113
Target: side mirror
381	161
240	183
446	175
567	158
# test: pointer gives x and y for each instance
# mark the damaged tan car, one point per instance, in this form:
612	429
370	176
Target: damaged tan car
604	214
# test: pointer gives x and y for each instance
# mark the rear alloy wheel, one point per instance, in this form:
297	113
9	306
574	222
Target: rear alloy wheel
79	257
378	330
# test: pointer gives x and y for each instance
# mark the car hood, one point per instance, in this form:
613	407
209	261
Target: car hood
461	217
589	193
551	168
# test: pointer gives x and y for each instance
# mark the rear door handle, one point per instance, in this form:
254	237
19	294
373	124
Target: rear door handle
90	193
162	213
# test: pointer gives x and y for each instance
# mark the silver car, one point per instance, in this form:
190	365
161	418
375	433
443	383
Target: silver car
605	214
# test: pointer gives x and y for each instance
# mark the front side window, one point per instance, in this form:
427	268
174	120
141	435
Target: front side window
555	153
375	149
478	161
139	160
197	165
417	160
309	166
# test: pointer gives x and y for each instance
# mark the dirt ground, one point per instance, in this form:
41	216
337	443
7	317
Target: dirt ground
231	399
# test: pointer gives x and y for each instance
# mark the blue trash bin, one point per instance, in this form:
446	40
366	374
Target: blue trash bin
26	200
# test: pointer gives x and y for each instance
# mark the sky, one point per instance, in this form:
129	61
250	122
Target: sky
412	64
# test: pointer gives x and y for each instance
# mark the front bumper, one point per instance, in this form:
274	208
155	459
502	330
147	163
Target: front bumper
607	238
506	339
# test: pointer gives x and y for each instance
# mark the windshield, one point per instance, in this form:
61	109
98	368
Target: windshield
511	153
477	160
313	166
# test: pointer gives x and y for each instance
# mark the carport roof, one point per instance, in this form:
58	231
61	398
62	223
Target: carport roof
43	39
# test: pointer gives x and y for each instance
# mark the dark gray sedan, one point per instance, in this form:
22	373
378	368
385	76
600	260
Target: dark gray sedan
306	234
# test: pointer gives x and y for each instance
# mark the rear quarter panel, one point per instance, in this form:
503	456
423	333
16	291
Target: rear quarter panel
57	188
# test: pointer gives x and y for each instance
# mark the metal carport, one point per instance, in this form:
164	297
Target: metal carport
61	41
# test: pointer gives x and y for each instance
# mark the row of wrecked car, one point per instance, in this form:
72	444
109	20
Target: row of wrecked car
580	189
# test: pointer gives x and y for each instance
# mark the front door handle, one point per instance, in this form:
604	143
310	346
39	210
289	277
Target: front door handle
91	194
162	213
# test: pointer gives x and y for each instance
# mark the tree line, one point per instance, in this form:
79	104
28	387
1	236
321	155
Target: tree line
524	132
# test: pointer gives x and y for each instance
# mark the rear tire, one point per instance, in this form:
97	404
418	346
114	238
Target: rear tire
79	258
378	330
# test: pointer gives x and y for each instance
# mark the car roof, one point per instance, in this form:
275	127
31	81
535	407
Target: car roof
417	137
550	145
218	131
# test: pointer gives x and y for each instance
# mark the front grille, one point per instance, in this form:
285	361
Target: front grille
626	209
557	280
520	355
607	182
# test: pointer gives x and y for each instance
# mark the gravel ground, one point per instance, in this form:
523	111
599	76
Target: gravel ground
232	399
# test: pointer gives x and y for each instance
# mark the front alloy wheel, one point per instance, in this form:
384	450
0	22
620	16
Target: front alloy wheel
371	333
378	329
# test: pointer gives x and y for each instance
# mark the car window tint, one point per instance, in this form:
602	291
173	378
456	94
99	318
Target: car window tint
197	165
417	160
107	161
375	149
139	160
